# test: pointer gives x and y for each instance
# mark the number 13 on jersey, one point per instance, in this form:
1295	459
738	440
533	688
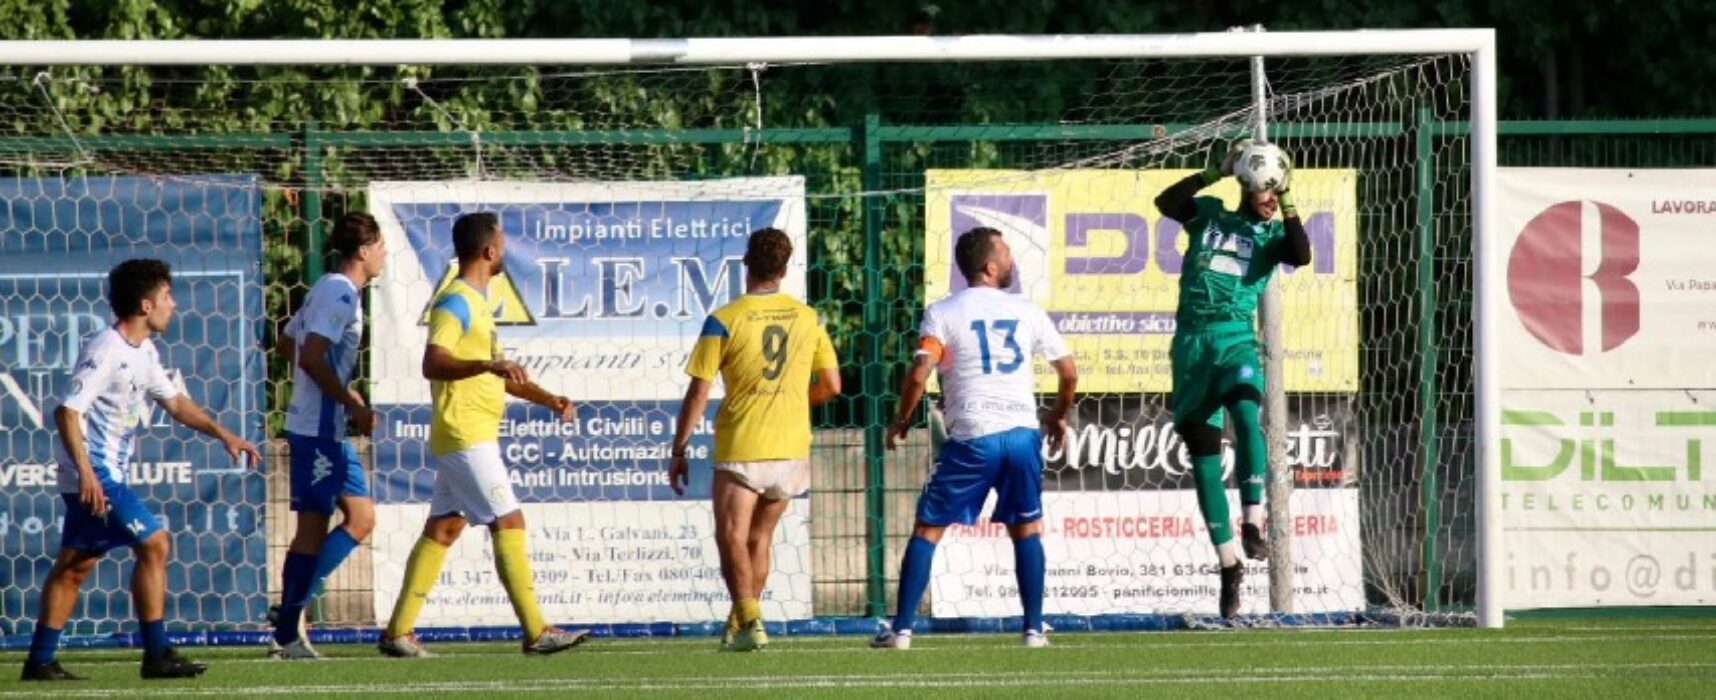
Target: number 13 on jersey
1010	343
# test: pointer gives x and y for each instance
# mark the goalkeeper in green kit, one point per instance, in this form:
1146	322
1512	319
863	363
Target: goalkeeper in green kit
1229	259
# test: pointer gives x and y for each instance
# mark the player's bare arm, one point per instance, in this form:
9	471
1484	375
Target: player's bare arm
912	389
1055	420
690	409
440	365
192	416
314	362
286	347
534	393
825	387
70	424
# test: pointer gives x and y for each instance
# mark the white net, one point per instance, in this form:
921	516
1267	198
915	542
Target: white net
627	195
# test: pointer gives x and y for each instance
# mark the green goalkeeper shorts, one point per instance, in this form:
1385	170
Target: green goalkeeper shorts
1208	363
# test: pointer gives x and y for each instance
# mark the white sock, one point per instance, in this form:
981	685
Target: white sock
1229	553
1254	515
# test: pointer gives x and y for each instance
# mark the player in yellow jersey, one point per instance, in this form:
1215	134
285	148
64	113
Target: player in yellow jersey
767	347
469	381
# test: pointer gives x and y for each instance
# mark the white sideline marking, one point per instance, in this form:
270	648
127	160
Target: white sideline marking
855	645
1331	674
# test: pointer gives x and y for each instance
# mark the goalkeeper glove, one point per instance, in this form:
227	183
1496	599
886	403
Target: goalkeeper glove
1225	167
1286	174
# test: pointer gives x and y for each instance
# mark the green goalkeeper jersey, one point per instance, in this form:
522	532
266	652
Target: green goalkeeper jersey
1229	259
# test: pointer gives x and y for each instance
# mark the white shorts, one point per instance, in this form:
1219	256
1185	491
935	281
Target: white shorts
472	482
776	480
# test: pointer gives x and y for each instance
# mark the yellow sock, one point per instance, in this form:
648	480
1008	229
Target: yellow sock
749	611
733	618
420	573
513	565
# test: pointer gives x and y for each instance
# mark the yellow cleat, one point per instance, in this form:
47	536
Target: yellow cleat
751	637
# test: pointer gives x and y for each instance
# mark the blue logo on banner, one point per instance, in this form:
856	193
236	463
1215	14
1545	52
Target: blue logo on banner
62	236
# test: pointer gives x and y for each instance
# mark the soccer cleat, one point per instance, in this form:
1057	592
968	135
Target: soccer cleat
1231	576
750	637
274	648
1251	539
554	641
406	647
1035	640
887	638
171	665
50	671
297	650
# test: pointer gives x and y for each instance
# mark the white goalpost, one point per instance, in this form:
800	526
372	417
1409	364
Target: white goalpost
628	169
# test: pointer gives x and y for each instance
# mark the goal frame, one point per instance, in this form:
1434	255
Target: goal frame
1480	44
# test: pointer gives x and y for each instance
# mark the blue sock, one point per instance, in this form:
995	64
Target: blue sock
914	578
154	638
1029	566
335	549
296	576
44	645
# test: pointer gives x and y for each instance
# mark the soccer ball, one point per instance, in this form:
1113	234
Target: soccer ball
1261	166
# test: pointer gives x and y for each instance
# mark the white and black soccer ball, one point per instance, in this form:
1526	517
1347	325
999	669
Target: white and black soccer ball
1261	166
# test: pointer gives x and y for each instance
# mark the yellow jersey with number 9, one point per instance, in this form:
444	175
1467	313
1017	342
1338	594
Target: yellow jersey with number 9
467	412
765	347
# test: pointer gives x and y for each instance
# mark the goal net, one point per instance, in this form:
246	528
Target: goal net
627	194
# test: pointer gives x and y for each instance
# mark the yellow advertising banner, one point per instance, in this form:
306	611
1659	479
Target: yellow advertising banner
1093	252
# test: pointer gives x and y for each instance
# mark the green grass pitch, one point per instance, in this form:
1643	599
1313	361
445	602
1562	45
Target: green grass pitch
1630	658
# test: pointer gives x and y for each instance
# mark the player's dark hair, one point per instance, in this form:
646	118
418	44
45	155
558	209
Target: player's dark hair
353	231
973	250
472	232
767	253
132	281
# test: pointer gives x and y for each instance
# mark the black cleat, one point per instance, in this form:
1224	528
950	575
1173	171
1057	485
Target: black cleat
171	665
1231	576
50	671
1251	539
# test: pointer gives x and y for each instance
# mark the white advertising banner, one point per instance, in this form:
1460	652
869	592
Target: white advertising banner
596	562
1608	339
1606	500
1611	278
1147	552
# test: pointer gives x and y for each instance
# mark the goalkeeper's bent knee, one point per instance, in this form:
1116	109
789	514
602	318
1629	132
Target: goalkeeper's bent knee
1202	439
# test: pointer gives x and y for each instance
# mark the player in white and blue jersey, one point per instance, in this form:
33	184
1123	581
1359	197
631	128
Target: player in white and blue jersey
118	373
322	341
980	341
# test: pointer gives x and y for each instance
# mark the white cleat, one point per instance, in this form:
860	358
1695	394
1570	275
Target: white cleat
406	647
887	638
554	641
1035	640
274	648
297	650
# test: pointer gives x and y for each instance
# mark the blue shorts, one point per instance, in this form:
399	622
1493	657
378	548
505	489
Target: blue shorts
127	522
323	470
1009	462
